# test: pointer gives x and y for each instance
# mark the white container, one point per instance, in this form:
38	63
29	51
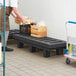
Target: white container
1	59
74	49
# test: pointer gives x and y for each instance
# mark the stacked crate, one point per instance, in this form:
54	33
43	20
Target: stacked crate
38	31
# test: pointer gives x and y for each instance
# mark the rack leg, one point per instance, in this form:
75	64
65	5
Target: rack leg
46	53
20	44
59	51
32	49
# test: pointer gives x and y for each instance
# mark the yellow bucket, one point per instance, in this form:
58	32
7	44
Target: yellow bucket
70	49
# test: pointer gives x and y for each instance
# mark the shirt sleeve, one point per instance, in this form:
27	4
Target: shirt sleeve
14	3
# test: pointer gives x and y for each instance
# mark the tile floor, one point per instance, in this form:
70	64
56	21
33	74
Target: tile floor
21	62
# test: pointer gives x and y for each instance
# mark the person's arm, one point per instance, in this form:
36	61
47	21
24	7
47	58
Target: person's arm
16	13
13	14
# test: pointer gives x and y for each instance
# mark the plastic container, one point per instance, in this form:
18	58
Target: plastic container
25	29
70	49
1	53
74	50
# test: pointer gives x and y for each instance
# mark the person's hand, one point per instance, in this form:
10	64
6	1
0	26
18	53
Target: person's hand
29	21
18	20
23	20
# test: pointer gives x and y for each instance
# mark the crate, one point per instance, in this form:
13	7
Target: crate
39	31
25	29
